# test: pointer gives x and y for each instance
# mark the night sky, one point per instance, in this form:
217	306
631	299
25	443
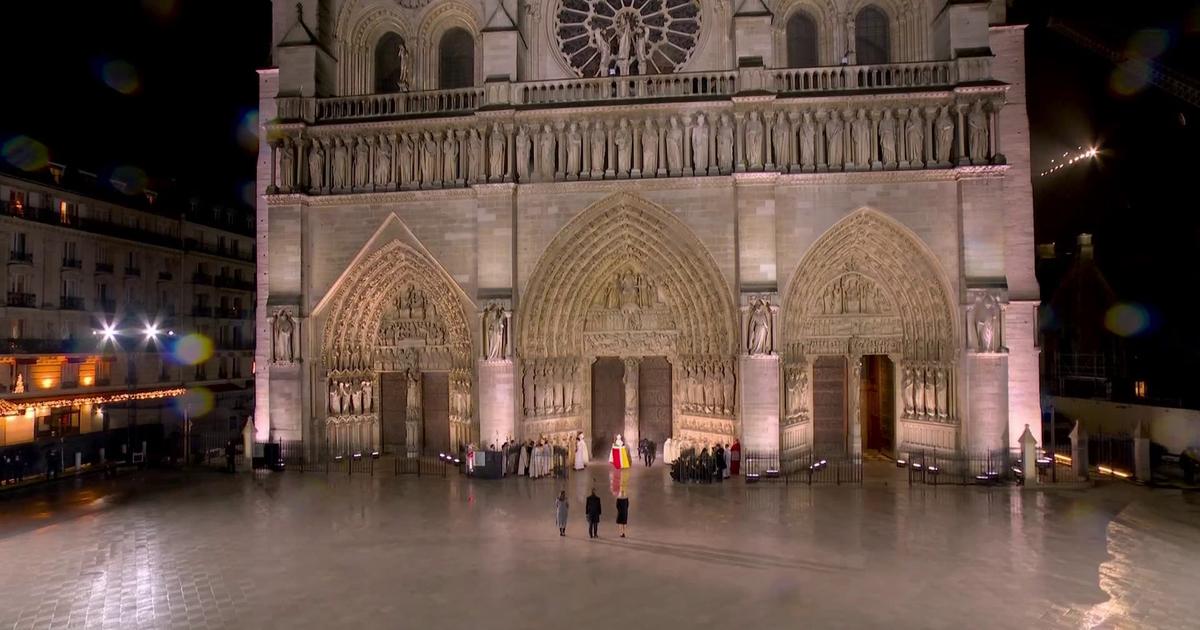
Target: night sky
169	87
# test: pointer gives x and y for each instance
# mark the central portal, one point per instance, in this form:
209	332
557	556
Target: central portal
615	398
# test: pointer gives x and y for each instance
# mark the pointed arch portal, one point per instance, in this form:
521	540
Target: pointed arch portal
627	279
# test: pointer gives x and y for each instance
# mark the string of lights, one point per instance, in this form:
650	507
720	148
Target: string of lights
1068	159
14	407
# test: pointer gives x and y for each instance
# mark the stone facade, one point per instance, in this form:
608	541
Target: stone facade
736	216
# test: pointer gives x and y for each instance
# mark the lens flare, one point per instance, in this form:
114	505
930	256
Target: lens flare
247	131
192	349
163	10
130	180
120	76
1130	77
1127	319
197	402
1149	43
25	153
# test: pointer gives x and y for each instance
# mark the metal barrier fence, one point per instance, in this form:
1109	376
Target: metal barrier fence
295	455
802	468
1111	454
49	458
953	468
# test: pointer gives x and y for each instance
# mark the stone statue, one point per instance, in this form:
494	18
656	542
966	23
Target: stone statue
429	170
759	329
368	397
986	315
623	139
404	78
945	135
727	386
929	396
908	390
316	166
362	164
725	143
496	146
977	125
754	141
574	146
383	163
344	397
649	149
860	130
528	390
599	140
914	134
283	327
641	49
808	136
675	147
700	145
603	48
475	156
340	164
546	153
781	131
449	158
887	138
943	394
335	400
356	398
287	166
495	331
524	147
834	139
405	149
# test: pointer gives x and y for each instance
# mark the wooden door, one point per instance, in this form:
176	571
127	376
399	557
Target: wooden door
829	407
654	400
608	403
393	410
435	408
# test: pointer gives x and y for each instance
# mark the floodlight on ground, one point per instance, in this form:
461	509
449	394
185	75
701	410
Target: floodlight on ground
900	463
357	456
374	454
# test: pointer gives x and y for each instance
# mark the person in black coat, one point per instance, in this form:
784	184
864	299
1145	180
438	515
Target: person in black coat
622	513
592	510
719	462
230	456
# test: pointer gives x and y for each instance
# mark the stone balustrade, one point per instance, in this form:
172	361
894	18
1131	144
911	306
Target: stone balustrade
687	85
845	133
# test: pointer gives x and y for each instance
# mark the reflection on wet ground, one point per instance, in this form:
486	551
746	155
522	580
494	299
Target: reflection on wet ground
310	550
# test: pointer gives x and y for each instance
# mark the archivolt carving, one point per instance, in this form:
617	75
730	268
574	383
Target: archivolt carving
626	268
869	286
397	300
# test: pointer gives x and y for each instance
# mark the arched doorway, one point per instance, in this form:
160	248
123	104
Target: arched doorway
622	284
395	369
869	324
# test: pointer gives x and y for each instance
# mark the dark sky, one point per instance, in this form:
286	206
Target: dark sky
166	86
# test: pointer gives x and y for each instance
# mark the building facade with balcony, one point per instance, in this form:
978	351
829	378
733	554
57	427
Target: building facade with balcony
804	225
84	257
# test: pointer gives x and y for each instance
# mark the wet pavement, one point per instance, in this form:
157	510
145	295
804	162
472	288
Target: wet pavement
175	550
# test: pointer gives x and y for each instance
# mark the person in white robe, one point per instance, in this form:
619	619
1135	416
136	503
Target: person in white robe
728	461
523	463
668	454
580	453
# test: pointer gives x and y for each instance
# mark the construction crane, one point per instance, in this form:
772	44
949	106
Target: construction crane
1169	81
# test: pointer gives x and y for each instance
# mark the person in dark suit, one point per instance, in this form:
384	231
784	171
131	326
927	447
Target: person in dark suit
719	462
651	452
230	456
592	509
622	513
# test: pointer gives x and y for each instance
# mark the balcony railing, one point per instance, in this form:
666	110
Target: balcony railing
36	346
96	226
71	303
202	311
166	276
193	245
684	85
24	258
22	300
229	282
133	271
108	306
72	263
201	278
104	267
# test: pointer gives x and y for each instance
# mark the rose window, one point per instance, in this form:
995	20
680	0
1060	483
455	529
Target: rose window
623	37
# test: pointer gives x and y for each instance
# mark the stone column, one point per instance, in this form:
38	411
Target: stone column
413	417
631	400
1079	450
1029	457
854	385
1141	453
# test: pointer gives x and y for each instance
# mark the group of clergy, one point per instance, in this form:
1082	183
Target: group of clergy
536	459
708	465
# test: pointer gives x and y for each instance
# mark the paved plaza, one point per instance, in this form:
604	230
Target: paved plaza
169	550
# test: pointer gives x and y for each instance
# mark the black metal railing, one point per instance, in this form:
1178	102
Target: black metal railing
104	267
202	311
955	468
20	257
108	306
22	300
51	457
71	303
201	278
804	467
133	271
72	263
166	276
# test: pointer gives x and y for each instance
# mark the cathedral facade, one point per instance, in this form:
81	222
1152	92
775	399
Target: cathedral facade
802	224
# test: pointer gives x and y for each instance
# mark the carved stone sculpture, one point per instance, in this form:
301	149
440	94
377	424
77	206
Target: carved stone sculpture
649	148
725	144
405	151
429	165
808	135
524	146
383	164
700	145
977	126
914	135
943	393
623	139
449	158
287	166
781	132
758	338
945	135
495	329
475	156
908	389
340	164
335	400
861	132
887	139
283	328
929	395
362	164
599	142
316	166
754	141
574	147
834	139
675	147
